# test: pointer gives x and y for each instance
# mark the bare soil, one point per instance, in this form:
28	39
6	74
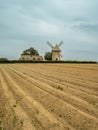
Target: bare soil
48	97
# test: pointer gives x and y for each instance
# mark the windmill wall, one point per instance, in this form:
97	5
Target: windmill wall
55	55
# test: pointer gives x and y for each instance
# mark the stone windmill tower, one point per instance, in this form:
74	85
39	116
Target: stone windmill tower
56	52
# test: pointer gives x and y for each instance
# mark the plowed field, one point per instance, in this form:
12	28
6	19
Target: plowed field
48	97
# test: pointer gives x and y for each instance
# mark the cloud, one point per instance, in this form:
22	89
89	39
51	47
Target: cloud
73	21
89	27
21	24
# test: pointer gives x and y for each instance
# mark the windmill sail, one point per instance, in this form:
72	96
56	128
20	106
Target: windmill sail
60	43
56	51
50	44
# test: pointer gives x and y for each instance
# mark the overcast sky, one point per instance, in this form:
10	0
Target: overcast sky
31	23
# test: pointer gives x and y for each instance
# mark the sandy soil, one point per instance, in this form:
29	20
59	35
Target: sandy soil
49	97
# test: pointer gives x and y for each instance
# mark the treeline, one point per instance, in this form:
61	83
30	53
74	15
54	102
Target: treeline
48	61
3	59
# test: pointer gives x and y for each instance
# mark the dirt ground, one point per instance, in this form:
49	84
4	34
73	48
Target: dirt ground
49	97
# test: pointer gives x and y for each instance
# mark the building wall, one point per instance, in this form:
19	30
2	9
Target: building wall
30	58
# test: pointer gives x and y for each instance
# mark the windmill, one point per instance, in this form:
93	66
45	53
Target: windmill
56	52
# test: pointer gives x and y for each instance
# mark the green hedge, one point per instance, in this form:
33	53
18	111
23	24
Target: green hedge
62	61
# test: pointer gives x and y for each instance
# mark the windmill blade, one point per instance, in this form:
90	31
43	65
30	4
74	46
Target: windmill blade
50	44
60	43
61	55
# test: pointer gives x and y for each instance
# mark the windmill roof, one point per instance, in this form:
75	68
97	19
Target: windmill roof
56	48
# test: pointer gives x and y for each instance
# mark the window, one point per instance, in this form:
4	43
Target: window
38	59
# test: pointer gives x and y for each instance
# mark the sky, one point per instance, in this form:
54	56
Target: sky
31	23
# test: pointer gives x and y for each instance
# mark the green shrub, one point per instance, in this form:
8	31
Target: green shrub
49	61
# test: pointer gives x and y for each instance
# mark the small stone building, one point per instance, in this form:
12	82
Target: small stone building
31	58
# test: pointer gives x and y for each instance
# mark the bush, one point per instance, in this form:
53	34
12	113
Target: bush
49	61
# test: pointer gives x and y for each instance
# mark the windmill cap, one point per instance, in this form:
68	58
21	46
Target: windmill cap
56	48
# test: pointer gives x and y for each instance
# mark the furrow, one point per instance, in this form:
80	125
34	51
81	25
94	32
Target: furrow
70	111
43	119
78	103
19	112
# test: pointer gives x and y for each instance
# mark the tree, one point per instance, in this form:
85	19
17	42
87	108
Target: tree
3	59
48	56
30	51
